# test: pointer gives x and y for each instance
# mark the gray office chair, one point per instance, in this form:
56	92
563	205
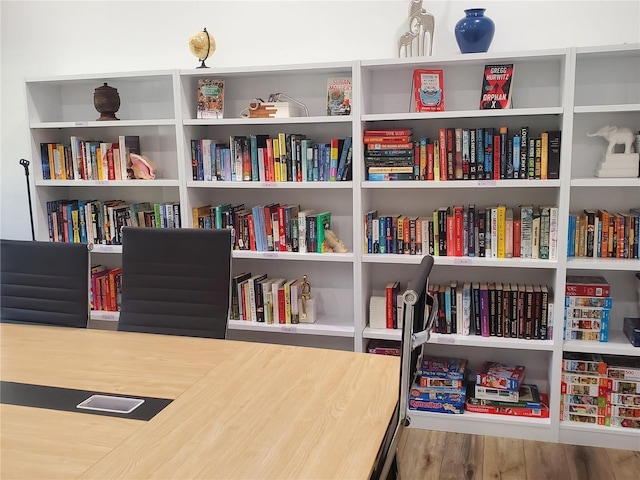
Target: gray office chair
176	281
416	329
44	283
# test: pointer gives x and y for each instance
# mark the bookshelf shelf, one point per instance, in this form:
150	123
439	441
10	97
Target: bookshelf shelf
103	124
272	185
104	316
606	182
587	434
305	257
618	344
462	184
267	121
460	261
623	107
539	429
569	90
327	326
108	183
611	264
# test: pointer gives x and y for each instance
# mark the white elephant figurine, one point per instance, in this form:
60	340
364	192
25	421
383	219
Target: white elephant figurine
616	136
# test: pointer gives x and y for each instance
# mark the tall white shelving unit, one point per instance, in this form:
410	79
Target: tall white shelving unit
561	89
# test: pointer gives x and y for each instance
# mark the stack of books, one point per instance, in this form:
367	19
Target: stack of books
440	385
583	394
618	165
389	155
500	382
587	310
623	396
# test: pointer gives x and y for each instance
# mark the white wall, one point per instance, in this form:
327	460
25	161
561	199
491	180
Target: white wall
42	38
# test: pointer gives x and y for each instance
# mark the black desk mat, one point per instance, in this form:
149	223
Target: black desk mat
67	399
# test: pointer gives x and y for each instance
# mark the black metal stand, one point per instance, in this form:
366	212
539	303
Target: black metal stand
25	164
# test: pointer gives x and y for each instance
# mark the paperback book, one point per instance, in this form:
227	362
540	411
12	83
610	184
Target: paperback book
210	98
339	96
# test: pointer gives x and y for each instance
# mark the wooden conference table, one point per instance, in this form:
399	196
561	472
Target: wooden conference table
239	411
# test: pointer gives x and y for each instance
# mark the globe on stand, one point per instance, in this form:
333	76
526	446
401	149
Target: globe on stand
202	45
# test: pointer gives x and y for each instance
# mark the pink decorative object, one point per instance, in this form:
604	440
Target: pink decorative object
142	167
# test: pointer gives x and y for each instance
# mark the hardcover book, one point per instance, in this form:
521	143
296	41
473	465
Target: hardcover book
210	98
339	96
496	87
428	90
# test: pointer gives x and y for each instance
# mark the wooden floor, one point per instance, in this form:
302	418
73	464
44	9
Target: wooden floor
426	455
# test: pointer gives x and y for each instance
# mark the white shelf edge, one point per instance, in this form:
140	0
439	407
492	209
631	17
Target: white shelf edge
95	124
104	315
314	257
606	182
429	184
599	436
327	67
97	248
382	334
484	424
473	58
512	112
237	122
321	327
99	76
459	261
618	344
623	107
107	183
270	185
611	264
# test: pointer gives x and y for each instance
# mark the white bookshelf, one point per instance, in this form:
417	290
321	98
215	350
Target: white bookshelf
558	89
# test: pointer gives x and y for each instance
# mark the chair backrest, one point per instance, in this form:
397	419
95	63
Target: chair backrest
44	283
176	281
416	327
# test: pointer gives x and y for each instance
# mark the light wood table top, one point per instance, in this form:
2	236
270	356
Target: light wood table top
241	410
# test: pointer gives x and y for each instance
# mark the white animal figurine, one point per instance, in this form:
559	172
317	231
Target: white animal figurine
616	136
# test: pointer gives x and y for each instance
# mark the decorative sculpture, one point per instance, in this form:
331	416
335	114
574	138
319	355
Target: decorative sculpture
142	168
616	136
332	243
617	164
420	23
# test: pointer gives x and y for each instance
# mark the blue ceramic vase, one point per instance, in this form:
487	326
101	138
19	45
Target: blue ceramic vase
474	32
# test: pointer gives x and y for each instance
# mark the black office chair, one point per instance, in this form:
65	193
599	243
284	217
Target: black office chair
176	281
416	329
44	283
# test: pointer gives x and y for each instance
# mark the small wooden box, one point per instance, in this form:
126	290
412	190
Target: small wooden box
275	110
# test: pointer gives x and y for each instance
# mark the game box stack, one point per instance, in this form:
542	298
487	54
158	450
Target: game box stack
623	391
531	403
440	385
499	382
587	308
584	388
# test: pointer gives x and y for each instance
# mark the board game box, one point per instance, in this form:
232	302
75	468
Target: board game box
528	397
500	376
584	362
517	411
443	367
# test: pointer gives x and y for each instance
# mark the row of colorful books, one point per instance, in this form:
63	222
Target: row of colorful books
268	228
257	298
288	157
493	232
88	159
106	288
600	389
603	234
101	222
462	154
587	308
